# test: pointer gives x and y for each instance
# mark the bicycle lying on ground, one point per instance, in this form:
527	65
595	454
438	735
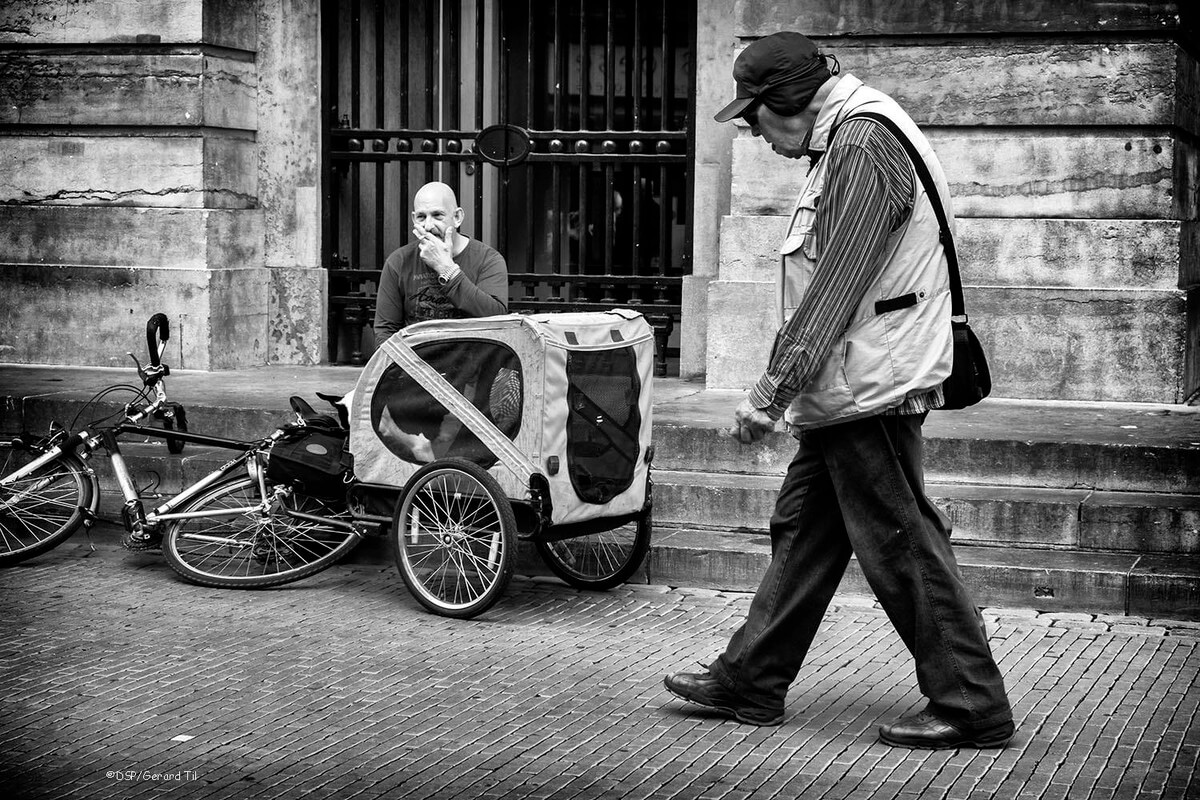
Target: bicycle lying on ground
240	526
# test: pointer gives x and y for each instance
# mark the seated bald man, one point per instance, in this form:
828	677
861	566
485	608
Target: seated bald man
443	273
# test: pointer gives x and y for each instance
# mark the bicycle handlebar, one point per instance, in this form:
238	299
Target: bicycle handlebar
158	331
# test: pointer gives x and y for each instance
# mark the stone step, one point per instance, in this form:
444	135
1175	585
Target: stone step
1101	446
1011	577
1080	519
1106	447
1047	580
722	552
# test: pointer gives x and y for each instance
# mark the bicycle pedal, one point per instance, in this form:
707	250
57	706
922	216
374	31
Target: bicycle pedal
140	544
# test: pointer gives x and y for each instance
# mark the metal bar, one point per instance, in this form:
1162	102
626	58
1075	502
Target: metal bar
185	436
637	65
534	158
630	54
609	91
380	186
586	305
402	224
584	124
665	69
558	219
640	280
529	172
665	86
690	124
432	43
480	58
451	89
538	135
331	94
610	70
502	206
355	100
331	240
584	69
582	226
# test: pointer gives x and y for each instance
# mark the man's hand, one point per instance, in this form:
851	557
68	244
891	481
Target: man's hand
436	251
750	423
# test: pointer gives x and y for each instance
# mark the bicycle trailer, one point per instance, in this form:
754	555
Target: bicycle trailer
530	426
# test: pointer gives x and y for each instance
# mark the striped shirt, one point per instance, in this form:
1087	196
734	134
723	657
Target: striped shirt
869	189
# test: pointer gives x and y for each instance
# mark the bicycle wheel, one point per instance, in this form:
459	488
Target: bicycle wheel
455	537
599	560
43	509
251	548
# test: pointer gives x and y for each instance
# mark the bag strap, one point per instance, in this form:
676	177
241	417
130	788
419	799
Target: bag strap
957	308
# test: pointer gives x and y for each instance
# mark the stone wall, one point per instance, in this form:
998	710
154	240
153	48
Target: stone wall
1068	133
143	170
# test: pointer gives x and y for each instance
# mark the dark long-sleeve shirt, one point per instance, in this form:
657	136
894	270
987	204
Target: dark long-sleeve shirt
409	290
868	194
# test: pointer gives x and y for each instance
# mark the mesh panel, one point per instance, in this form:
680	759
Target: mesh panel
419	429
603	423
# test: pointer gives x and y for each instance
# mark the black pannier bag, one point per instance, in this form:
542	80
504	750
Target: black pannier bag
315	460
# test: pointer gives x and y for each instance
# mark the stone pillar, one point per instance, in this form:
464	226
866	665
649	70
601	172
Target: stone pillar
133	167
1069	144
715	50
289	151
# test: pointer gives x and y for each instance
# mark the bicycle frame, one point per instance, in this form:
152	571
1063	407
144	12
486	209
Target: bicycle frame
134	516
229	529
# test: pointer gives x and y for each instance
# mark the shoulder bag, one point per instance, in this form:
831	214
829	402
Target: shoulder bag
970	379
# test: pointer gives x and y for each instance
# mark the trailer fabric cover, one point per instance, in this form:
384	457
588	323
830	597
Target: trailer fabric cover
582	384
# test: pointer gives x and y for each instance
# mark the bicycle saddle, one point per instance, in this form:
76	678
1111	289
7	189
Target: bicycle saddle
312	418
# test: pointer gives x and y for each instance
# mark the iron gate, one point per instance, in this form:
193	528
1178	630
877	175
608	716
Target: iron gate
564	127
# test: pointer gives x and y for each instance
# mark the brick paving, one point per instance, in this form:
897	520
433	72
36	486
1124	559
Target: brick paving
119	680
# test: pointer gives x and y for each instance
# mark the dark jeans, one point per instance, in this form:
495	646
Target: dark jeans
859	486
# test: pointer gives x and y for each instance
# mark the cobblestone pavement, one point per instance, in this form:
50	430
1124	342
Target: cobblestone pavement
121	681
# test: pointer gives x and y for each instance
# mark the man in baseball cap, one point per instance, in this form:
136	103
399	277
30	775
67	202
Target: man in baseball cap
863	348
782	71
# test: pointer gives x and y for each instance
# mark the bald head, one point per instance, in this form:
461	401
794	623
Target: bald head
435	210
436	192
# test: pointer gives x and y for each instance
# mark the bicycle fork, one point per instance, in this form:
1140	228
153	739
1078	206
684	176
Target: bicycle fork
139	534
142	527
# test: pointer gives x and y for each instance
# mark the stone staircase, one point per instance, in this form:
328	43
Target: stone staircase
1056	506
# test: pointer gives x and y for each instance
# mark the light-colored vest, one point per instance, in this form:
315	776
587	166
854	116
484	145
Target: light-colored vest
902	348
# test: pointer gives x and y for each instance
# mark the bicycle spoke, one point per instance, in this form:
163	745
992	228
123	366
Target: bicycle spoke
263	546
43	508
454	533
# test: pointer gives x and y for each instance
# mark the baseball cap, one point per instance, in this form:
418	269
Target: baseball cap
783	71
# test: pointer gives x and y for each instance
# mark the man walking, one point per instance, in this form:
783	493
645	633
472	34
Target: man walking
858	362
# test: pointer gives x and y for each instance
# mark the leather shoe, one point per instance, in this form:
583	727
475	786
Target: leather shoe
705	690
927	731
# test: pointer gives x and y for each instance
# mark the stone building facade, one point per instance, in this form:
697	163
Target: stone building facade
166	155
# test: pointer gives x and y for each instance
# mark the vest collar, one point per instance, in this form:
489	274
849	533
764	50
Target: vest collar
830	111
